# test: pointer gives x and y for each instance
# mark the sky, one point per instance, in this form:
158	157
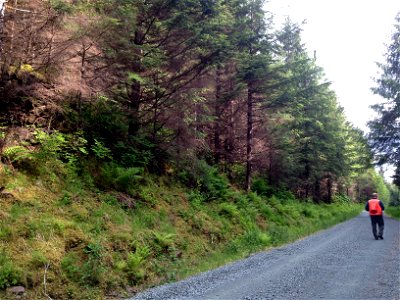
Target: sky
349	37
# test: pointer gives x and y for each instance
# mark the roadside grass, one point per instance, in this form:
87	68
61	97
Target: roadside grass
91	244
393	211
284	223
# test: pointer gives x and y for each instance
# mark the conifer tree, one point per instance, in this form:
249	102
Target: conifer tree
385	129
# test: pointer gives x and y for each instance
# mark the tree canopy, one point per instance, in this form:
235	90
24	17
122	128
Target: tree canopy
165	83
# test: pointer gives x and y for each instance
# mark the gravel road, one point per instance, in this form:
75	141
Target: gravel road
343	262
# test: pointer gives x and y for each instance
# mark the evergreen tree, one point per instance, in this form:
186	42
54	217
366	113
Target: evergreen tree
254	48
385	129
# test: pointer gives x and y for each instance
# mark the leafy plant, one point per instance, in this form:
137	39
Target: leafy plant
211	183
340	198
100	150
137	151
65	200
50	144
15	153
135	261
119	178
148	196
394	211
195	198
71	266
164	241
61	7
38	259
89	271
25	71
261	187
229	209
9	274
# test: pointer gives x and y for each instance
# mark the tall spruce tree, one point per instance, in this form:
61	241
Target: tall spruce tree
254	48
385	129
312	147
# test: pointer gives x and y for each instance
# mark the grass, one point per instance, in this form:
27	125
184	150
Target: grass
393	211
102	243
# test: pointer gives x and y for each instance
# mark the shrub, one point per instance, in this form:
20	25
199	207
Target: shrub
211	183
105	120
65	199
148	196
119	178
100	150
50	144
61	7
237	173
71	266
229	209
308	212
128	178
26	73
206	179
261	187
340	198
267	211
138	151
251	241
88	271
195	198
9	274
284	195
92	268
109	199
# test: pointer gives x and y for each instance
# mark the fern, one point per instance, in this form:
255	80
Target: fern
15	153
135	261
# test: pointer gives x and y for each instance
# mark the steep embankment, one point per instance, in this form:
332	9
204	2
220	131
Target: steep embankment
61	238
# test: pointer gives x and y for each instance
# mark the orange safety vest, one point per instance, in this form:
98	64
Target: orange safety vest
374	207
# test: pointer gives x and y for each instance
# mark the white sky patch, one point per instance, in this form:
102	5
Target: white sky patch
2	6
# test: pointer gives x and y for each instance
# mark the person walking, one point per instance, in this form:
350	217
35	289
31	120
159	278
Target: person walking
375	208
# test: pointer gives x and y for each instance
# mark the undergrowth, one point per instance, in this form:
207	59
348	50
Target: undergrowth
393	211
96	244
87	231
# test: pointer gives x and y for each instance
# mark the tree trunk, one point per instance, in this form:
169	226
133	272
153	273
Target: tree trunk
135	88
229	145
218	117
249	138
329	189
12	29
317	191
2	12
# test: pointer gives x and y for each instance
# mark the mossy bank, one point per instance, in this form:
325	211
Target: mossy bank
70	242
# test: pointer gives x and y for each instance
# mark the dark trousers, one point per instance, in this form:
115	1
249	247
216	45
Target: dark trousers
377	220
